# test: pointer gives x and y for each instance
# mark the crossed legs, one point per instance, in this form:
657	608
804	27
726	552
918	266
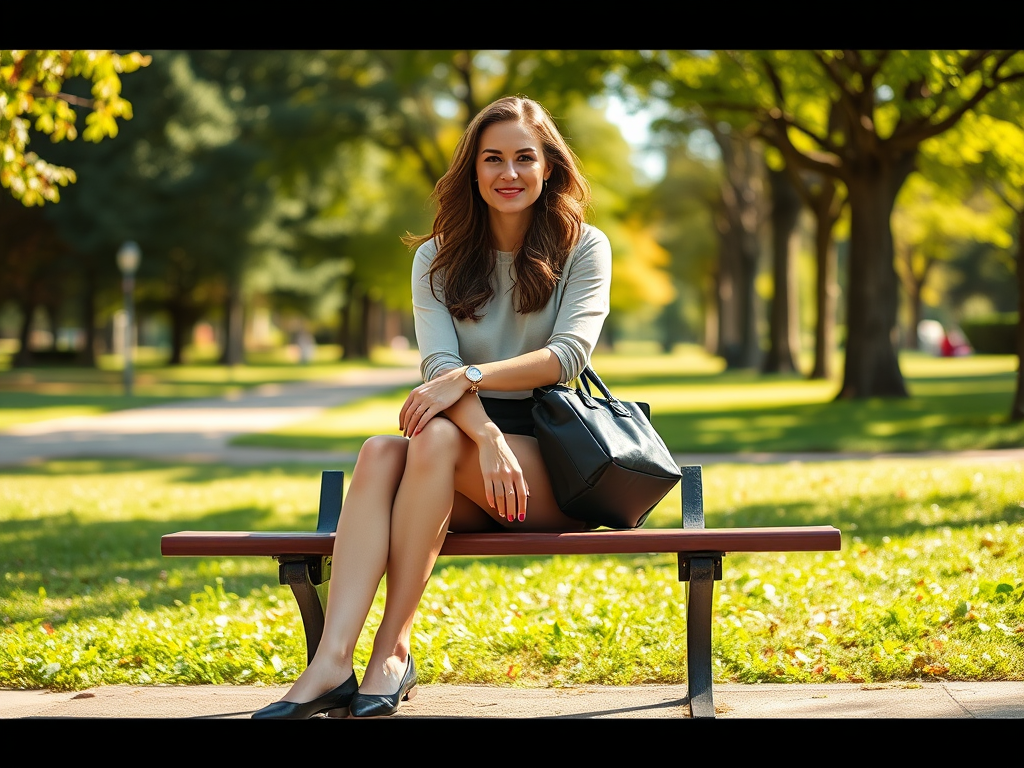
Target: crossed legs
404	496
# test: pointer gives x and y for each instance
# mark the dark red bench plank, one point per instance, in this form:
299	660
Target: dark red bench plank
604	542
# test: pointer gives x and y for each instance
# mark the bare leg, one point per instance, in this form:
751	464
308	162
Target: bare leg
404	496
360	557
442	488
419	522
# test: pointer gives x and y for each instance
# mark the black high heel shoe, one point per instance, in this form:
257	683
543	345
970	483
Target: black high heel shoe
381	704
339	698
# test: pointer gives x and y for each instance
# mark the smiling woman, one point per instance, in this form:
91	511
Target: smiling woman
510	174
510	291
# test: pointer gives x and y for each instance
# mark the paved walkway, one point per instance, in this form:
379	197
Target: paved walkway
200	430
933	700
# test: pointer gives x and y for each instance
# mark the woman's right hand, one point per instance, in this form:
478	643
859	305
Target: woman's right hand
504	483
431	398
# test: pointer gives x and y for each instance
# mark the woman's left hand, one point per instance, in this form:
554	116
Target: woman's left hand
431	398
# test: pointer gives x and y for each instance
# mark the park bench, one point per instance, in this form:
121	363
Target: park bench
305	560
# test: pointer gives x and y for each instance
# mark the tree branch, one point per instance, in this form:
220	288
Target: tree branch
779	114
910	139
75	101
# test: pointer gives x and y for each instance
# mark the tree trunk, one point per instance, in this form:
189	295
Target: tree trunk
782	328
366	326
913	291
872	366
740	237
344	331
727	332
23	357
180	326
87	354
351	330
1017	409
825	287
711	316
670	324
233	352
914	287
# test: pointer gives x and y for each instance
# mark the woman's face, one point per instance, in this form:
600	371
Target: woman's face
510	167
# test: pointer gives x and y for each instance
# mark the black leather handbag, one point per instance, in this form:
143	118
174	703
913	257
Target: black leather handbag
608	465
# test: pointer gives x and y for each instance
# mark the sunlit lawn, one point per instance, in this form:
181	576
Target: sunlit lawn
928	585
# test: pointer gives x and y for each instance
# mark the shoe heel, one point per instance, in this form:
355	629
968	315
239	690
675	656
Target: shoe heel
411	693
340	712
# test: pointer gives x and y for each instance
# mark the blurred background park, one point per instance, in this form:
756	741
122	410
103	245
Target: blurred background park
814	251
773	207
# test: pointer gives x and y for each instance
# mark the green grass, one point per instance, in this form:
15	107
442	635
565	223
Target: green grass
928	585
955	404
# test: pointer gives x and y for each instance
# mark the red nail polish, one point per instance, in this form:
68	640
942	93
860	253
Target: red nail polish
522	517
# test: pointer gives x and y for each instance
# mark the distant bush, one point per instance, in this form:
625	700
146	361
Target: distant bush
992	334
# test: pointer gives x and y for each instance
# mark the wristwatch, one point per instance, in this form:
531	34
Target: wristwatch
475	376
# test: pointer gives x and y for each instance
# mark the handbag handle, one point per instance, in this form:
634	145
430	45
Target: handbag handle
613	402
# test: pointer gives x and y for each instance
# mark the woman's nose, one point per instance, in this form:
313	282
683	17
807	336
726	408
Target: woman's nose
508	172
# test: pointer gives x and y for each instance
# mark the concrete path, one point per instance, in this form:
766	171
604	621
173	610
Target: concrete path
932	700
199	430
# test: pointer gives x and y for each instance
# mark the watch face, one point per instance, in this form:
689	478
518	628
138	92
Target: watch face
474	374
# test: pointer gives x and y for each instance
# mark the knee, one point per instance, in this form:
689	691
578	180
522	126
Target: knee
438	444
384	452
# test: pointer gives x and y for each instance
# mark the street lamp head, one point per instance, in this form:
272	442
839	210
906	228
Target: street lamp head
128	257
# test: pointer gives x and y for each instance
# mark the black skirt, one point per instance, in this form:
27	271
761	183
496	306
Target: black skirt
513	417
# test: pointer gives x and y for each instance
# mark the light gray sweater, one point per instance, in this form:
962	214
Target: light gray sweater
569	324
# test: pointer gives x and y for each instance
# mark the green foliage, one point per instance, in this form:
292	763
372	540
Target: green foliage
843	114
32	97
993	335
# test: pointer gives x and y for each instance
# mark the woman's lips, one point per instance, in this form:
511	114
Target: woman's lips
509	192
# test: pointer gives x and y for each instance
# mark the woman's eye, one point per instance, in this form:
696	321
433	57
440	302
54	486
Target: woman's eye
526	158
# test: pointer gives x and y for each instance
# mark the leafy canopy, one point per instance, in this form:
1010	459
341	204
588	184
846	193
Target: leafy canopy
32	96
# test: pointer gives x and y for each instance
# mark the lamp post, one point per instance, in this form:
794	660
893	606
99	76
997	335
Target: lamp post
128	257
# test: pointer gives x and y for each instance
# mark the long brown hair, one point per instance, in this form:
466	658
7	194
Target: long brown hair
465	251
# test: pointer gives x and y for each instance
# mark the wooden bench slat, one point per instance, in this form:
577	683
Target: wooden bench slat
603	542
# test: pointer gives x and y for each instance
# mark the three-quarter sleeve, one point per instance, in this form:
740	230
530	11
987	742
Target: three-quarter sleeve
435	330
584	303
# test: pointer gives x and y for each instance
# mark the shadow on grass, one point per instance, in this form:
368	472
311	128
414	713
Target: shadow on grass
105	568
871	518
950	420
621	378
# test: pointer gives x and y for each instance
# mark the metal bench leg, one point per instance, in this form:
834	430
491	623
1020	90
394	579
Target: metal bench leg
308	577
699	598
699	573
